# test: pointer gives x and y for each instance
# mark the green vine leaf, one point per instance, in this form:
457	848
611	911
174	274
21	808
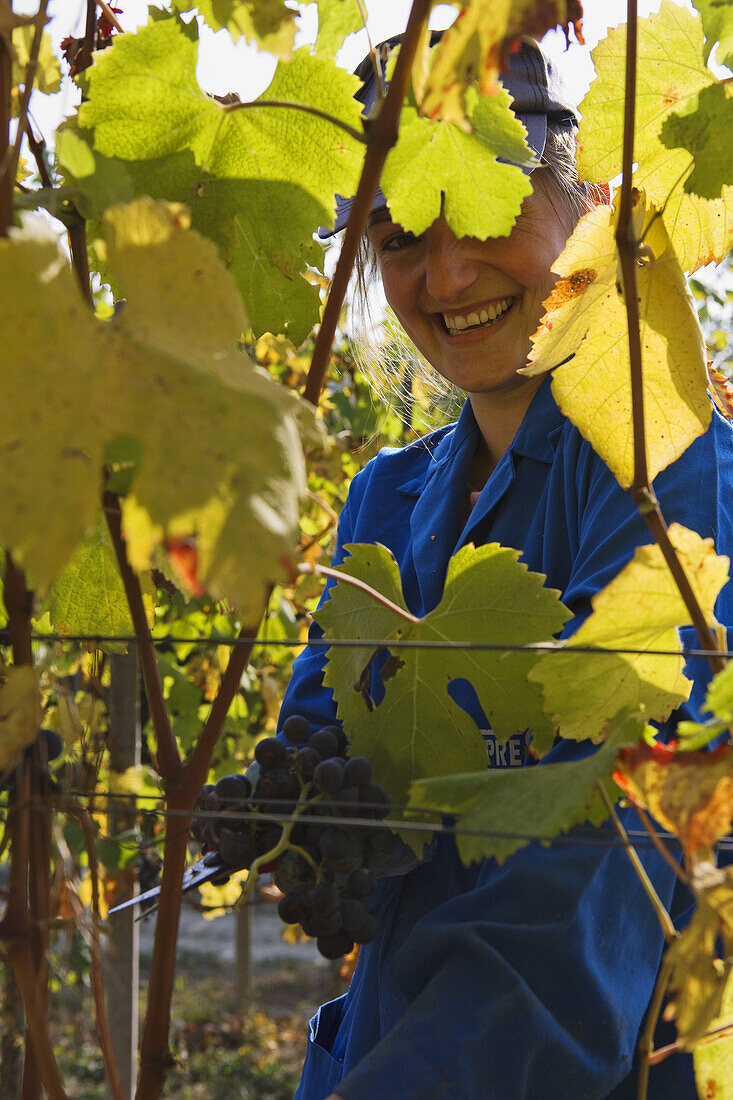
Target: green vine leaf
337	19
436	166
717	23
88	596
511	807
268	23
640	609
672	69
697	127
418	730
586	319
258	180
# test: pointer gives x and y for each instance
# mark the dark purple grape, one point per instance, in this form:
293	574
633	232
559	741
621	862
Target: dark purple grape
361	883
270	753
333	947
233	788
325	924
376	800
325	743
307	761
358	772
53	744
340	736
353	913
367	930
329	776
345	803
294	908
237	849
335	844
268	839
297	730
278	783
323	898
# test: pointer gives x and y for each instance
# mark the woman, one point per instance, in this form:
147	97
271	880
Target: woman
527	981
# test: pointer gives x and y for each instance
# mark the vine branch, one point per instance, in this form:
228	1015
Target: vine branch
628	247
9	163
669	930
169	760
357	135
381	136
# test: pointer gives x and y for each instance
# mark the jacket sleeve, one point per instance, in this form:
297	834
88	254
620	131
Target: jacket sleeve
534	984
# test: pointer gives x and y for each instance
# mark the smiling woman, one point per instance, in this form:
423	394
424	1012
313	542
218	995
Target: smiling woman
531	980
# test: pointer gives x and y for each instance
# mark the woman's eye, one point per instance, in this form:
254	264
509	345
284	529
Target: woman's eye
397	241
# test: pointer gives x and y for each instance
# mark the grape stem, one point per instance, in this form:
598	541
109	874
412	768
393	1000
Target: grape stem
338	575
357	135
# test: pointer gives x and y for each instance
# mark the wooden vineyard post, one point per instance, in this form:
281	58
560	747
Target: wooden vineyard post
122	948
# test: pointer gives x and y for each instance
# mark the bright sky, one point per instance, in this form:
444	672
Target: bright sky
225	66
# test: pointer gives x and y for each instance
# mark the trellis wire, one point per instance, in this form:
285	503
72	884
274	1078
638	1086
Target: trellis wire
595	836
368	643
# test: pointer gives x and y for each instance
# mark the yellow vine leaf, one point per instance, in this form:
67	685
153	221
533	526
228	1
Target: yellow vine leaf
640	609
713	1056
689	793
210	442
671	69
477	45
586	319
20	713
699	958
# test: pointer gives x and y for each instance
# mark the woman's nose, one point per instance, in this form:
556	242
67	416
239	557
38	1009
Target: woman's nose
450	266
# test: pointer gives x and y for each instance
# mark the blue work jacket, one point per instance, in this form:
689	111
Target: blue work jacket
527	981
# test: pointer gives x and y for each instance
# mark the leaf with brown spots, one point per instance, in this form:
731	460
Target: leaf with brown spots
477	46
689	793
583	336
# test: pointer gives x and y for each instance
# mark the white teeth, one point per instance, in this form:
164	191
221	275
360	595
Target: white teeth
458	323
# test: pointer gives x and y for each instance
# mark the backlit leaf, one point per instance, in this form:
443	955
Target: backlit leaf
689	793
418	730
48	70
699	127
336	20
586	318
20	713
713	1057
717	23
476	46
258	180
268	23
88	596
640	609
435	166
510	807
671	69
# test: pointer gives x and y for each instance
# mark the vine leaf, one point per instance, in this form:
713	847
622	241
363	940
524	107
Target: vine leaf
50	437
640	609
336	20
717	23
510	808
436	166
586	319
697	127
689	793
88	596
20	713
713	1057
672	69
258	180
268	23
699	956
48	69
210	444
477	45
418	730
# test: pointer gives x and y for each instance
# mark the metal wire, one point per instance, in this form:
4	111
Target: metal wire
368	643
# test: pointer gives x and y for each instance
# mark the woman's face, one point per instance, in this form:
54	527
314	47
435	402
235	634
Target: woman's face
470	306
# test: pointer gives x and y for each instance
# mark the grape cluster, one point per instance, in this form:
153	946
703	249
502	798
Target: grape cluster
326	870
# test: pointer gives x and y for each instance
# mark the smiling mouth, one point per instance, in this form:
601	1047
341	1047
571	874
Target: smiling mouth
484	318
